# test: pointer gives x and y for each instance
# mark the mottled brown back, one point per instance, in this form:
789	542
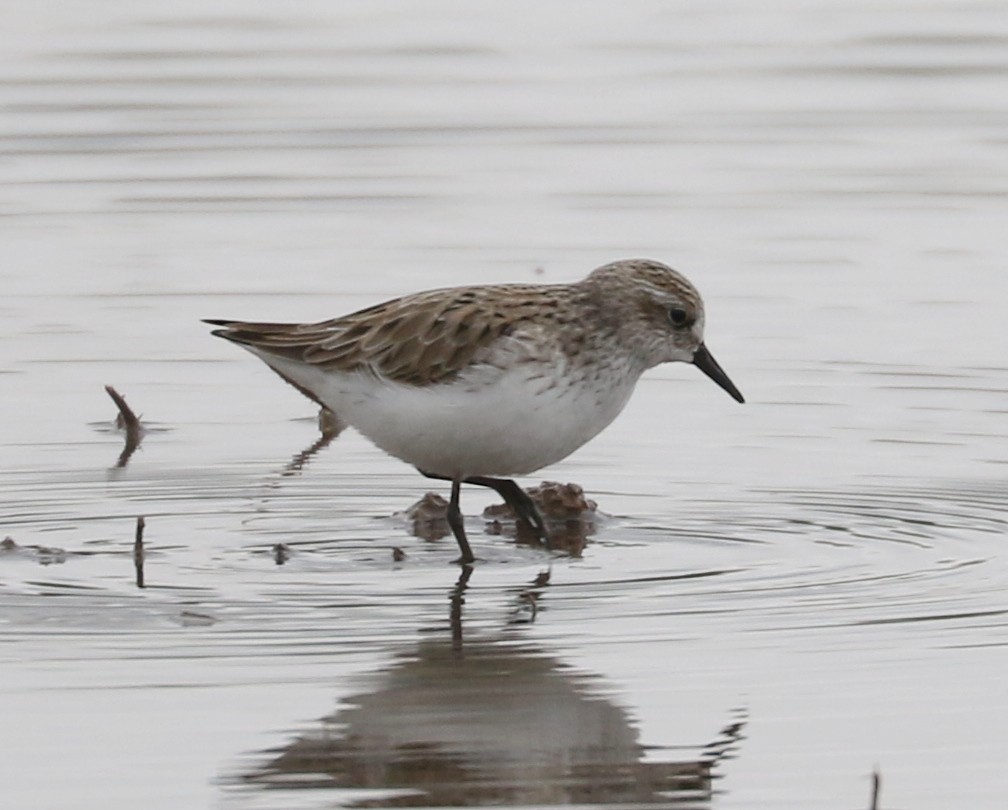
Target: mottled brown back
431	336
418	339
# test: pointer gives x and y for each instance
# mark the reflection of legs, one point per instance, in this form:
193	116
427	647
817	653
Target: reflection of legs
456	522
518	499
457	599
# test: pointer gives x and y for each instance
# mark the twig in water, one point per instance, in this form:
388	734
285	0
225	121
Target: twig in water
138	553
876	779
127	421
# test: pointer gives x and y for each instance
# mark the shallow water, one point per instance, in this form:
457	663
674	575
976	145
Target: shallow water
780	597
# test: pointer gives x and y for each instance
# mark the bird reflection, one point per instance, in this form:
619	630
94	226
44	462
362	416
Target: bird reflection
490	721
456	599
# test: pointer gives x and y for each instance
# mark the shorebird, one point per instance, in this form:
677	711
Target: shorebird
474	385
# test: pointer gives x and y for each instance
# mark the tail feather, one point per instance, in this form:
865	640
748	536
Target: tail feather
265	339
286	339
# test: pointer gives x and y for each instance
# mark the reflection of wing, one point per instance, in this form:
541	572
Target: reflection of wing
492	724
418	339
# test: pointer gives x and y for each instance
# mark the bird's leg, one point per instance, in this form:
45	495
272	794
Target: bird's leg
456	522
519	501
454	516
514	496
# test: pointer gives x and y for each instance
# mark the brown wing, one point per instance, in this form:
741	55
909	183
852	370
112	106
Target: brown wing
418	339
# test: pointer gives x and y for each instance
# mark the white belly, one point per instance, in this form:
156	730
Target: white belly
489	422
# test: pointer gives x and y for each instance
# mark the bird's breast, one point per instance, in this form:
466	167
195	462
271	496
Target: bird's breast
490	420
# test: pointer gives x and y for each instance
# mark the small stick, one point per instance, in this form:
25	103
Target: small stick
876	787
280	553
138	553
129	422
127	419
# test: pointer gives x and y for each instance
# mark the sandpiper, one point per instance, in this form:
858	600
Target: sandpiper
474	385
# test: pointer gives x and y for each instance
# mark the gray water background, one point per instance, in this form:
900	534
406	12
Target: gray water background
821	571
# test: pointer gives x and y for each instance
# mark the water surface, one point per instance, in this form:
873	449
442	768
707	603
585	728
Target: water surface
780	597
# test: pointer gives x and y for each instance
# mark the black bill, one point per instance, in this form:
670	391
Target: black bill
705	361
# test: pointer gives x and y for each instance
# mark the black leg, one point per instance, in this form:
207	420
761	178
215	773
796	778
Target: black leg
519	501
514	496
456	522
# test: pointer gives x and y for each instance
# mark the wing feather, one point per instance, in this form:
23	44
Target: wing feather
418	339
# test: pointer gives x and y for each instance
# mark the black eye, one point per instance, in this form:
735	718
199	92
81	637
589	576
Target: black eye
677	316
